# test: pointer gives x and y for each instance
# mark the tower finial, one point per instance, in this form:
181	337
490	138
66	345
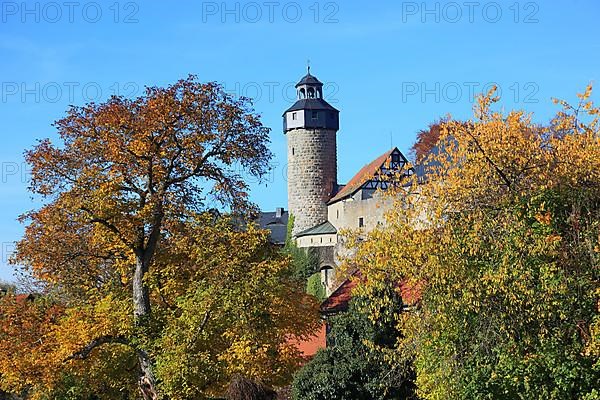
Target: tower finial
308	66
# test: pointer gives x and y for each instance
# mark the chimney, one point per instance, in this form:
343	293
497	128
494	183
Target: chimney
278	212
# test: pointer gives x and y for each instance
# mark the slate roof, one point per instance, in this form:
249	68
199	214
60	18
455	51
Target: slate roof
366	173
309	79
276	224
322	229
311	104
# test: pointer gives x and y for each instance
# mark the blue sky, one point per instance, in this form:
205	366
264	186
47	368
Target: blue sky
391	67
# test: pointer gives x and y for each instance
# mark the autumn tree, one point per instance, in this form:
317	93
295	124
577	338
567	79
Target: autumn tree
126	244
502	242
426	140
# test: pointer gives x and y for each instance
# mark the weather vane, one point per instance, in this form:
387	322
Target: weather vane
308	65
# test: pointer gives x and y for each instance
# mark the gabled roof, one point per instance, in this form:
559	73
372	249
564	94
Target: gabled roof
322	229
364	175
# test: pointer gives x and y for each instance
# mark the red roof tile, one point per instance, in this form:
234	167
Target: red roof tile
22	298
309	347
366	173
339	299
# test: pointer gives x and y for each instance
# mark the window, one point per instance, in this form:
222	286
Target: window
315	115
326	273
293	151
294	116
361	222
337	214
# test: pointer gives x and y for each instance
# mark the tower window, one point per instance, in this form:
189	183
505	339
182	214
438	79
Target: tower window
315	115
361	222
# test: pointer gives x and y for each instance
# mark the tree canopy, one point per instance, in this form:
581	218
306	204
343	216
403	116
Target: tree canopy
148	285
502	243
358	362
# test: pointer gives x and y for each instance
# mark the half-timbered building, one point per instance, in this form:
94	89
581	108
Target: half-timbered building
320	206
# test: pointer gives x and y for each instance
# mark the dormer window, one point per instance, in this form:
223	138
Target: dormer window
294	116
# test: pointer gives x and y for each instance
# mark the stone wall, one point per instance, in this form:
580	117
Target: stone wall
312	175
345	214
317	240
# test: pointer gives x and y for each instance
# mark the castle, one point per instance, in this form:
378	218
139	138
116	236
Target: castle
320	206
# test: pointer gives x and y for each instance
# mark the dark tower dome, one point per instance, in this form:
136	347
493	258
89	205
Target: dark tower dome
308	79
310	110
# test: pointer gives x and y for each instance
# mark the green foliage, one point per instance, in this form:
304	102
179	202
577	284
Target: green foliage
315	287
357	364
304	261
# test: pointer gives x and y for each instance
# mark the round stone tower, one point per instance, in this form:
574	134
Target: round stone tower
310	125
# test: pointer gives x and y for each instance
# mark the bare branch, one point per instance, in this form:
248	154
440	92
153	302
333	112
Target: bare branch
87	349
105	223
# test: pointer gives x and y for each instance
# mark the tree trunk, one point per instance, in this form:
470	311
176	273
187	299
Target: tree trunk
141	294
147	382
141	310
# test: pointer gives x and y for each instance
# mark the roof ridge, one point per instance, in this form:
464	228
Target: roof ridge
366	172
308	231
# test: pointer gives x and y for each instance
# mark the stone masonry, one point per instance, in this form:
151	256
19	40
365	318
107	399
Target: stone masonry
312	175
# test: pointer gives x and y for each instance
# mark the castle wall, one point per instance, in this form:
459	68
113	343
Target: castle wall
371	207
317	240
312	175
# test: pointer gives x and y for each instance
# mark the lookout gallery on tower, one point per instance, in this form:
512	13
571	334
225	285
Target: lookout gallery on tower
319	205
